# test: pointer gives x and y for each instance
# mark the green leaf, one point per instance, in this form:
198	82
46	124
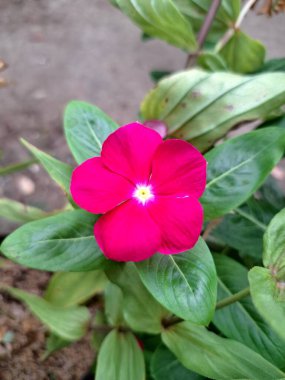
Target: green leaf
217	358
54	343
157	75
86	128
240	321
197	10
238	167
165	366
268	297
242	53
274	243
19	212
120	358
202	107
186	284
68	323
59	171
113	304
276	64
161	19
69	289
211	61
64	242
140	310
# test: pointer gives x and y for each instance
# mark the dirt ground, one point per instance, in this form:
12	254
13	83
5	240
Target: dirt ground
58	50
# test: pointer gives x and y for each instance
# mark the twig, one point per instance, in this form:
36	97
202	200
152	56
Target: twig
191	59
234	298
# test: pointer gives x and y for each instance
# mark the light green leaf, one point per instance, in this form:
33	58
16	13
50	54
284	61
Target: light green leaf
242	53
161	19
64	242
69	289
68	323
217	358
86	127
19	212
274	245
202	107
237	168
114	304
120	358
165	366
186	284
196	11
269	298
211	61
59	171
240	321
140	310
14	168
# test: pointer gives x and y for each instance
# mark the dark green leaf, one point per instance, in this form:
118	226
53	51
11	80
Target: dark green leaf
240	321
54	343
202	107
217	358
86	128
238	167
120	358
186	284
165	366
161	19
14	168
69	289
156	75
276	64
59	171
68	323
140	310
269	298
242	53
64	242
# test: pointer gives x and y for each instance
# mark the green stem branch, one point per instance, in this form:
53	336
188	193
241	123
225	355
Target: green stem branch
234	298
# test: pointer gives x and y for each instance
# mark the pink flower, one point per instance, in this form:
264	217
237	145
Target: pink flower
147	190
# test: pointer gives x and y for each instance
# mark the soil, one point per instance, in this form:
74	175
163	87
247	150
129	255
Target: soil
58	50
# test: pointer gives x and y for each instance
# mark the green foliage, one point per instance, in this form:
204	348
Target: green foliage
140	310
240	321
86	127
64	242
211	61
186	284
202	107
165	366
69	323
114	299
161	19
238	167
120	358
277	64
268	297
242	53
217	358
19	212
59	171
69	289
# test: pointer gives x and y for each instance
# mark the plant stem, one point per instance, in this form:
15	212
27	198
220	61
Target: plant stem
230	32
234	298
17	167
191	59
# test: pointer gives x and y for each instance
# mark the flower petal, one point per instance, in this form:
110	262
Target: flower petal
96	189
127	233
129	151
180	222
178	169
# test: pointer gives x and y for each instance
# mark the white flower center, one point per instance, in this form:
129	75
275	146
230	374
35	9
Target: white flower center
143	193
